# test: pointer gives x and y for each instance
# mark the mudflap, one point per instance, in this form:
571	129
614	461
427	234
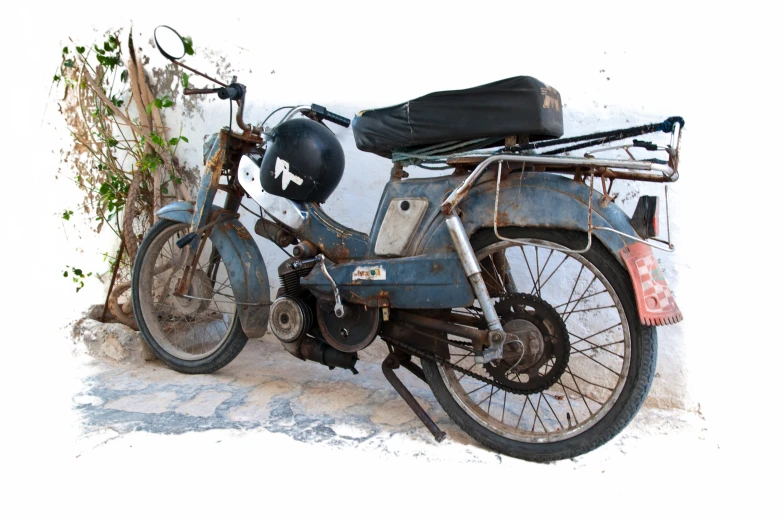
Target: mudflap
655	303
244	264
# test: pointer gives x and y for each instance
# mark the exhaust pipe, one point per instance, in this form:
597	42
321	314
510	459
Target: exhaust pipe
325	354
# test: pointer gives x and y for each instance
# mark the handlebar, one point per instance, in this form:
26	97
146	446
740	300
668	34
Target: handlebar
330	116
234	91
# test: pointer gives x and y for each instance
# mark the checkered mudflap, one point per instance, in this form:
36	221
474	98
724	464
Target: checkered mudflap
655	303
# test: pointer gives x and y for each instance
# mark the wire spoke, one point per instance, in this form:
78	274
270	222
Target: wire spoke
533	289
553	273
553	410
581	297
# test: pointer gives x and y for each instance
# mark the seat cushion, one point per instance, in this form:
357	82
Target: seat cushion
515	106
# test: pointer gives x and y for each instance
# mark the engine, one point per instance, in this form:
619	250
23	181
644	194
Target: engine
296	310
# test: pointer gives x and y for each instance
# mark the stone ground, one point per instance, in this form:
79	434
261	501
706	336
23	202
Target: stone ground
266	389
273	437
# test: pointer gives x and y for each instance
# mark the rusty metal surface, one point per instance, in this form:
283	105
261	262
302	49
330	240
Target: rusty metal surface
244	264
479	337
215	160
426	281
336	242
532	199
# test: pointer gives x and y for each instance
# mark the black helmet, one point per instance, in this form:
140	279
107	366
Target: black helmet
303	162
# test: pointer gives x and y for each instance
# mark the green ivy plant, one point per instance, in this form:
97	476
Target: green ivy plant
109	153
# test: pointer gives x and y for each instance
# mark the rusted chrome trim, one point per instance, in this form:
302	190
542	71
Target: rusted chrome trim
460	192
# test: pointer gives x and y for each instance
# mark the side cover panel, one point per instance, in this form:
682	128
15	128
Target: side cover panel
423	282
246	268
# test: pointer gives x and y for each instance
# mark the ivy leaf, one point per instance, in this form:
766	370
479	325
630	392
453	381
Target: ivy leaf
68	63
65	50
67	215
149	107
80	49
188	41
183	138
167	103
164	191
65	274
56	78
112	142
158	140
184	80
124	76
173	141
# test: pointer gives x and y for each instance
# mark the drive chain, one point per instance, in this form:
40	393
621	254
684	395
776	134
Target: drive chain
429	355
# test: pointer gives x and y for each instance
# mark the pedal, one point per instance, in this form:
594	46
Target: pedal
391	363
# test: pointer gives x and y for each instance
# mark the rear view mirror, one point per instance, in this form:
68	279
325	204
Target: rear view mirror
169	42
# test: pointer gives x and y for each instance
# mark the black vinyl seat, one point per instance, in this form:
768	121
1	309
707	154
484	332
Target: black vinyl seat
515	106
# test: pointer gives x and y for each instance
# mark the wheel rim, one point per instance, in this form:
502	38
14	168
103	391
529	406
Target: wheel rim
192	327
600	351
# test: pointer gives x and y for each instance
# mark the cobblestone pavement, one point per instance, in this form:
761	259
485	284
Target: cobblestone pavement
267	389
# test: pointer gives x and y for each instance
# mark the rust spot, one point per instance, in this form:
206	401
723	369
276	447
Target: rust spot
437	267
504	219
337	253
242	233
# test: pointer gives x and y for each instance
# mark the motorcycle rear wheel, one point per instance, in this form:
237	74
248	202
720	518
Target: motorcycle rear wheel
609	370
195	334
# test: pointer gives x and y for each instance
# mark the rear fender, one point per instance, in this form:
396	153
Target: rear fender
542	200
244	264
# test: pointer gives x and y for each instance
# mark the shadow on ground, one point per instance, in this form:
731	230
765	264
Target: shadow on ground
266	388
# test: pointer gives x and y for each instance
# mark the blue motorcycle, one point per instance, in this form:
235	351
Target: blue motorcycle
511	284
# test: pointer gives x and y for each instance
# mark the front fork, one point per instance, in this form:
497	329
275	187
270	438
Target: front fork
201	211
497	336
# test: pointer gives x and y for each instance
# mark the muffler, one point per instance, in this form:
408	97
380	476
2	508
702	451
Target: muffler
311	349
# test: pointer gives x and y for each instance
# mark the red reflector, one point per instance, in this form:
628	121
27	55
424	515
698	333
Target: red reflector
655	220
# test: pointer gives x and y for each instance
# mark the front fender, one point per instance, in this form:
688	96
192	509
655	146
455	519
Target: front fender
244	264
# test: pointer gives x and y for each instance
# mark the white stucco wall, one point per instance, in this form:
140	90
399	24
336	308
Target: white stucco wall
601	91
659	62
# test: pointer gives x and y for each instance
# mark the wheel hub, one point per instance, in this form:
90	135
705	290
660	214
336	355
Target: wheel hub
201	289
538	356
527	349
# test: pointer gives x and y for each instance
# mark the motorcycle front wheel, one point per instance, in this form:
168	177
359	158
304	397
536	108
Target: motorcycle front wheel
594	371
199	332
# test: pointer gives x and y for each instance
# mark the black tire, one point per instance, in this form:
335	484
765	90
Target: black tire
230	345
638	380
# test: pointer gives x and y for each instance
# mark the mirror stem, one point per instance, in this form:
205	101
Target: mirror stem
199	73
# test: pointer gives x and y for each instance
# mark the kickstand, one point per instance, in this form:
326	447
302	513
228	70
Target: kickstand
391	363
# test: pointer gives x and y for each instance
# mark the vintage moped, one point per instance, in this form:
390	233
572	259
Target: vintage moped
512	284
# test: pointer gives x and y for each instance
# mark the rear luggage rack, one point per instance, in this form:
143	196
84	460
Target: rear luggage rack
585	168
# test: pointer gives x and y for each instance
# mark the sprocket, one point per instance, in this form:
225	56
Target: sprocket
539	359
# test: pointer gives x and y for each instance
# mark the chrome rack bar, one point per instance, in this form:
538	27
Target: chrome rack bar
457	195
